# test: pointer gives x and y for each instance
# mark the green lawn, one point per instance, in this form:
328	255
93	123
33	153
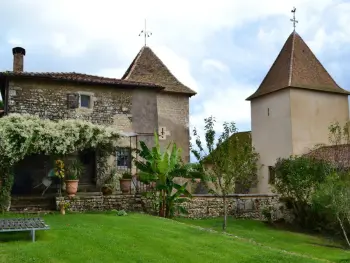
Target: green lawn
273	237
133	238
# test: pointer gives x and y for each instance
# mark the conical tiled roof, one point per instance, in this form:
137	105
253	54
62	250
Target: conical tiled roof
148	68
297	67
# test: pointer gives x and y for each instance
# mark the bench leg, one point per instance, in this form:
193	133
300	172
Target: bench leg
32	234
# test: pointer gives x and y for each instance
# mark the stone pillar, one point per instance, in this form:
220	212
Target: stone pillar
18	55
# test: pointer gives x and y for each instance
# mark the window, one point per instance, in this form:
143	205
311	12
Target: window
271	175
85	101
123	158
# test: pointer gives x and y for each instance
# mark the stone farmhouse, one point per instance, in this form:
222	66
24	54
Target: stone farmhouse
147	98
293	108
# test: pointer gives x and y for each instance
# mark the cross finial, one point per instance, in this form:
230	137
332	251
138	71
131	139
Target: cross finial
293	19
145	33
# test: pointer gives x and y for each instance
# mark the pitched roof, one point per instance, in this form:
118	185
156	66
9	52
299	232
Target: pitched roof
336	154
147	67
78	77
297	67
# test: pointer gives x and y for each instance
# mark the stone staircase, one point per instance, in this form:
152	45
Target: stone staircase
33	204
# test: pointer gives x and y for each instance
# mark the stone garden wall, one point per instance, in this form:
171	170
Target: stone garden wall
201	206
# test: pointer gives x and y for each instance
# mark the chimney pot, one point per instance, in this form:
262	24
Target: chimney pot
18	54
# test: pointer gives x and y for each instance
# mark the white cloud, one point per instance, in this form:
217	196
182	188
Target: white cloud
210	64
184	37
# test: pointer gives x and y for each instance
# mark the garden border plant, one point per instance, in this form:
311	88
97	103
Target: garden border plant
24	135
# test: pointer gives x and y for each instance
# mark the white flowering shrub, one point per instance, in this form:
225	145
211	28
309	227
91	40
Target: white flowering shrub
22	135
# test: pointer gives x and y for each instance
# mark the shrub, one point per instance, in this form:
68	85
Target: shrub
296	180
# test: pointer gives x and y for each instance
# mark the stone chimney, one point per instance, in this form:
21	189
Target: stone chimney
18	54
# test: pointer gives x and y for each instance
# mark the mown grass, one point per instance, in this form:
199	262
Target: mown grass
133	238
314	246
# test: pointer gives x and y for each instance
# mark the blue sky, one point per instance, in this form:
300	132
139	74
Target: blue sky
222	49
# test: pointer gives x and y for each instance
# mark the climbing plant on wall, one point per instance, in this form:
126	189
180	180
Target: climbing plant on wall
23	135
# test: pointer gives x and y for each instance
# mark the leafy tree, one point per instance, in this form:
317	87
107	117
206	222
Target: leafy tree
333	196
227	161
162	168
296	179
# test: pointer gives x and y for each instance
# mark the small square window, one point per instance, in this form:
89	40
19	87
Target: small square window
272	174
85	101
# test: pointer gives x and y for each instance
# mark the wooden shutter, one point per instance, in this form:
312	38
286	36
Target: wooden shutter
72	101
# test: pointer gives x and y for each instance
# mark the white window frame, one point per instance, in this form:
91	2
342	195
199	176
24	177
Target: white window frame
91	103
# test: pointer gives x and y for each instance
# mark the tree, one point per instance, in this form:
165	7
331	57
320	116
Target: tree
162	168
228	160
333	196
1	104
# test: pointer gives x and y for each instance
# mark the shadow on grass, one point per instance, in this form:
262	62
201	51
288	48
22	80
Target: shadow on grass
15	236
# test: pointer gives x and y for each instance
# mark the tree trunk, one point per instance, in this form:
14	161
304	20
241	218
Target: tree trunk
344	231
225	213
161	206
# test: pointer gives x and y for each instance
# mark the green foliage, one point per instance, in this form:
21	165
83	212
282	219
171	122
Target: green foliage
74	170
111	179
297	177
6	178
126	175
333	198
22	135
121	213
231	159
162	168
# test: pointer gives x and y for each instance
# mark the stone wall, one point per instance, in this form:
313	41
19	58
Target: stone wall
201	206
173	114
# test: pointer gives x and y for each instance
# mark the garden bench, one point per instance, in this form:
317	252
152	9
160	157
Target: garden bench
23	224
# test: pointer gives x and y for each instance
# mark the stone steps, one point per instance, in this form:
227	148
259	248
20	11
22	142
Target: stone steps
32	204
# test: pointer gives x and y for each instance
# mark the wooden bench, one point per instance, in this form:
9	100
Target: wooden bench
23	224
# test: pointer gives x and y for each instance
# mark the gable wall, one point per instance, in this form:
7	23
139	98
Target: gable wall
48	100
312	112
173	114
271	132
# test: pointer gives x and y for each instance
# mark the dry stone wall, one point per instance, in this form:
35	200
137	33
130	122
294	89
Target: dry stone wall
201	206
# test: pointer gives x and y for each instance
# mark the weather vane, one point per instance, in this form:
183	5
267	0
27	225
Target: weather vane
145	33
293	19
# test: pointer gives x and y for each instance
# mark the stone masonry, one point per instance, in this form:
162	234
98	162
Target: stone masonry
173	114
201	206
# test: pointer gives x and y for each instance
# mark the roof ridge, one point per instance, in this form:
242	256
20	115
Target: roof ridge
133	64
148	67
291	60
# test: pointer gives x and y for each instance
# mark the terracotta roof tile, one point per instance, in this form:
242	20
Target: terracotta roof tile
147	67
336	154
78	77
297	67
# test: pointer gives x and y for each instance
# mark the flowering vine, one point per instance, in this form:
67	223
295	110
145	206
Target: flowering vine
22	135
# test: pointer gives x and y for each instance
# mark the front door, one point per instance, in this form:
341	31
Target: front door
88	159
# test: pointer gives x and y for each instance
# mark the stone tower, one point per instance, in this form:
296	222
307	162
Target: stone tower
172	102
293	107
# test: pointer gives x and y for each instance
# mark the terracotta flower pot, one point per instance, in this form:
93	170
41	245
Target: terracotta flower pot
71	187
125	185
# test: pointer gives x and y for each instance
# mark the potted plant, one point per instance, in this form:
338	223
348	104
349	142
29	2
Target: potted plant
59	172
110	182
74	171
125	183
63	205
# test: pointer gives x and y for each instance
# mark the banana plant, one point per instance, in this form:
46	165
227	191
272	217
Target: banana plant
162	168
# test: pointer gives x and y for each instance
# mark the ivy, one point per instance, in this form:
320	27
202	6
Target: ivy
23	135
